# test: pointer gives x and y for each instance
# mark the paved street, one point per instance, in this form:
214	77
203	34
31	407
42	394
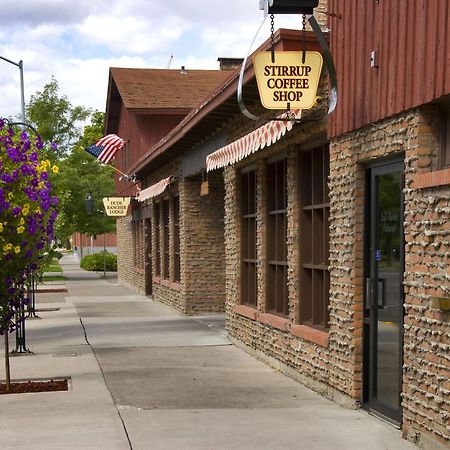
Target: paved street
145	377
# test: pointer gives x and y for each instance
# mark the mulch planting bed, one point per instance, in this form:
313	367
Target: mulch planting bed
35	386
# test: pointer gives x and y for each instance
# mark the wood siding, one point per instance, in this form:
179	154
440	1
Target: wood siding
412	41
141	132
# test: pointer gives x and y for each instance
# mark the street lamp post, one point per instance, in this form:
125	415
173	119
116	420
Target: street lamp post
22	90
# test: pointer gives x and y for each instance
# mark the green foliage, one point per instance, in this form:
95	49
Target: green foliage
56	119
51	265
95	262
79	174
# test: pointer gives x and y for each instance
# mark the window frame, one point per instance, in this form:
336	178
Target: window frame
165	239
157	240
314	211
176	238
276	237
444	160
248	223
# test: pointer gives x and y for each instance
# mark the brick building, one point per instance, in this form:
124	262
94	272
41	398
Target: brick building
154	257
330	243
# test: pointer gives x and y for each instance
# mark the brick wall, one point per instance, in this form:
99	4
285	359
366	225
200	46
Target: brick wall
202	244
426	388
331	363
126	272
201	288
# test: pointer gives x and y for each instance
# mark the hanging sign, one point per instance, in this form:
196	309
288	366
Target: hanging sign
116	206
288	80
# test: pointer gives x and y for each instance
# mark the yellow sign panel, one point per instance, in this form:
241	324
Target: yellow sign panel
116	206
288	80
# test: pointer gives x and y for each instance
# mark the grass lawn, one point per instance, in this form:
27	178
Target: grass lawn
53	278
53	266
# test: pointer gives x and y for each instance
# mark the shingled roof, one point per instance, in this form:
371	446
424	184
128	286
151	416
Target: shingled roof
165	88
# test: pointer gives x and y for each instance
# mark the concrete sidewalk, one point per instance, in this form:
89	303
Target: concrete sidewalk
145	377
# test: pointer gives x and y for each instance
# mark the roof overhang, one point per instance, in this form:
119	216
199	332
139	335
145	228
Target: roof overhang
216	109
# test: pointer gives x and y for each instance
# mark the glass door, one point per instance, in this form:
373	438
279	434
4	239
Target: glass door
383	318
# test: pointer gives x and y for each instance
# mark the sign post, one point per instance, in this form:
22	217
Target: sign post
288	83
116	206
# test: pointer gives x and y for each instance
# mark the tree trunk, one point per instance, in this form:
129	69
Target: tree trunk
7	369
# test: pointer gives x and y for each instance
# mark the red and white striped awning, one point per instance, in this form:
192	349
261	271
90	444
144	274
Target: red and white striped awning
154	190
262	137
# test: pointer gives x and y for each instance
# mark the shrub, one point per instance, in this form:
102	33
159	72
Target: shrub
95	262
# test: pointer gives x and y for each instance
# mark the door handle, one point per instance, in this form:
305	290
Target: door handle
368	292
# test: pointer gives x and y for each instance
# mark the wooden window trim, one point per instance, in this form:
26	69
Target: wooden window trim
157	223
277	266
248	212
176	239
165	238
314	240
445	138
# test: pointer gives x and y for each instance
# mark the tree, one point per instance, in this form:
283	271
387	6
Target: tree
56	119
80	174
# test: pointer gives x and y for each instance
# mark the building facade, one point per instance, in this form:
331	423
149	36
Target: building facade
328	246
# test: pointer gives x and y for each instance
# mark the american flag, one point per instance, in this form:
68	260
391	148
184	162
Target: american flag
106	147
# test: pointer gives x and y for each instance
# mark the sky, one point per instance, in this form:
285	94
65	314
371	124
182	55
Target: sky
77	42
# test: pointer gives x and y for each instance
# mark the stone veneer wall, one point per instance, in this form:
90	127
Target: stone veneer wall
126	272
331	363
202	244
426	370
201	289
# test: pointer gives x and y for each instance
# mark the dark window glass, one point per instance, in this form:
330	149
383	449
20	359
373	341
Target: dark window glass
165	239
176	238
157	223
248	239
276	238
314	168
445	117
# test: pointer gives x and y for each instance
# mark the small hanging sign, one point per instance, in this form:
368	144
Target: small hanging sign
288	83
116	206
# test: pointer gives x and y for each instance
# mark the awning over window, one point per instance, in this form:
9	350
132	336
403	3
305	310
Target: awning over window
262	137
154	190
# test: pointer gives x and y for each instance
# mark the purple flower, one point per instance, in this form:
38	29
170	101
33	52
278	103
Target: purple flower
6	178
54	146
16	211
2	124
44	176
12	153
33	157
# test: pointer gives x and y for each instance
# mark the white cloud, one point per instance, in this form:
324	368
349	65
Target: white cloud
77	43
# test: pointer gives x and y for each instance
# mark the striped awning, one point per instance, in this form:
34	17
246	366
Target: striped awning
154	190
262	137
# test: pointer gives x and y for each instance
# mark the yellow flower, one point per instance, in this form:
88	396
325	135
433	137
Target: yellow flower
55	169
20	229
7	247
17	249
10	196
1	227
22	221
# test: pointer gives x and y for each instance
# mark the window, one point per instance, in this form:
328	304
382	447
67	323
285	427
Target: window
314	168
165	238
276	238
176	238
445	141
248	238
157	223
138	238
